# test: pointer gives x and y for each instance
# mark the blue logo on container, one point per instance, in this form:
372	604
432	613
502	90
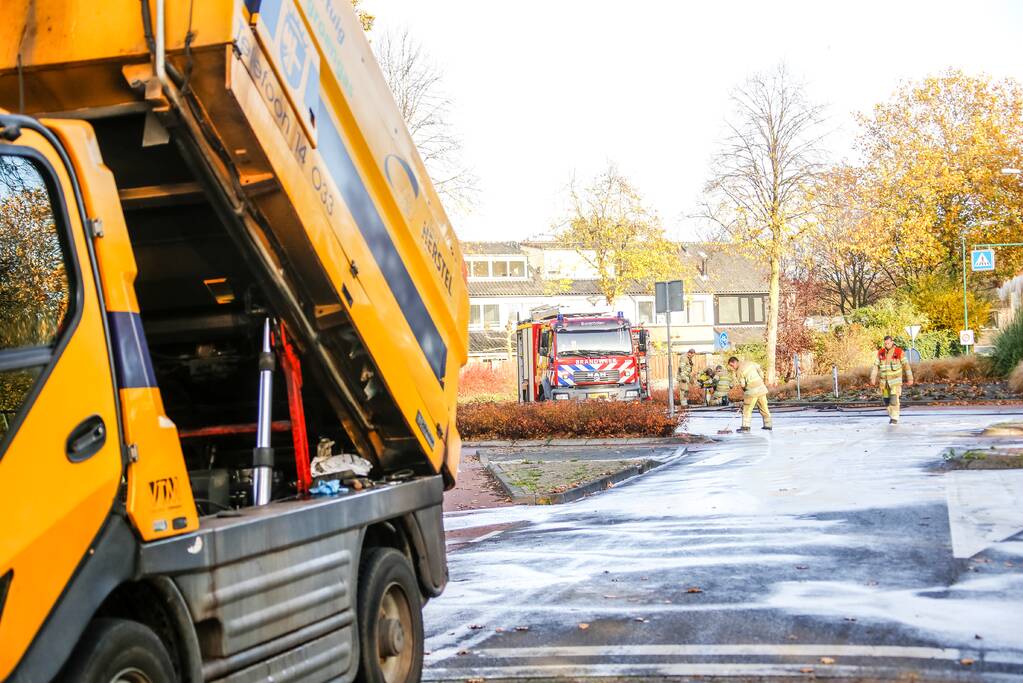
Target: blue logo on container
294	52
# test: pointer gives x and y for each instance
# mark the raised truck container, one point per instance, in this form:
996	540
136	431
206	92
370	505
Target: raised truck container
220	256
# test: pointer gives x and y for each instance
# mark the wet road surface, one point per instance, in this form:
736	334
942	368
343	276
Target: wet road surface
833	546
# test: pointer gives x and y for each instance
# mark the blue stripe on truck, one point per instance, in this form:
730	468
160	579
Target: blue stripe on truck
339	162
132	362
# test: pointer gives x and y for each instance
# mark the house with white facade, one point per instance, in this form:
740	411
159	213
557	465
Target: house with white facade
725	292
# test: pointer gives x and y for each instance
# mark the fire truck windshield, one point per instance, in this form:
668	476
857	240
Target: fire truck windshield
582	343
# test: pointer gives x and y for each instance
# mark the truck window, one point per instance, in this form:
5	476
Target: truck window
35	291
594	343
545	342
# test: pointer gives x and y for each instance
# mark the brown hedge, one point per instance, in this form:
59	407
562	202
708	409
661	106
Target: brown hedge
565	419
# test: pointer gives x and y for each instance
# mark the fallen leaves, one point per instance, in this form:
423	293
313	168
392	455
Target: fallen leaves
966	661
583	626
462	653
521	628
827	660
806	670
694	589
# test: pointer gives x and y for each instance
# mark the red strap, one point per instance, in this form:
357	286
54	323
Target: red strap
293	378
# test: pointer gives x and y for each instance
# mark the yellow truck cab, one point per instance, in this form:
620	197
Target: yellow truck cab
232	316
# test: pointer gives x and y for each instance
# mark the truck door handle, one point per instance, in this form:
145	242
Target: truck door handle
86	439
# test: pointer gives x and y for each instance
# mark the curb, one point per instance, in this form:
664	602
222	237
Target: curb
519	496
532	443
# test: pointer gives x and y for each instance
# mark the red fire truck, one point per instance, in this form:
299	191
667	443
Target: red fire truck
580	355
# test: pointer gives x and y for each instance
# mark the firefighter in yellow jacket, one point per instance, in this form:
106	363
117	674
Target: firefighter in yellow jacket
888	368
751	378
722	385
684	375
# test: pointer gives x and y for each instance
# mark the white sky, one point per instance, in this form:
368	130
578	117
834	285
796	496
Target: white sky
543	90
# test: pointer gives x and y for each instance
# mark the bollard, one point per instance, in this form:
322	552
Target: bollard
263	453
795	362
834	378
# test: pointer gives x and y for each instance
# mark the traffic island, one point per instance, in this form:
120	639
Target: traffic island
550	476
993	458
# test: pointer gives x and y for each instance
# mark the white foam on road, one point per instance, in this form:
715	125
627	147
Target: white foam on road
984	507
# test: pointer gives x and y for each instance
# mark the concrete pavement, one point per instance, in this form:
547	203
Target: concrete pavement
833	546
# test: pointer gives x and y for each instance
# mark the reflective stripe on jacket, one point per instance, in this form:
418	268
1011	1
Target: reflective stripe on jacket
723	385
751	379
890	365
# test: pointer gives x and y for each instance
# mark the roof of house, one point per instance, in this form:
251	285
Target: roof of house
491	248
488	341
727	272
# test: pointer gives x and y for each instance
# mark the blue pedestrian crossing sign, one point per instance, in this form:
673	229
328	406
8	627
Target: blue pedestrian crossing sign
982	259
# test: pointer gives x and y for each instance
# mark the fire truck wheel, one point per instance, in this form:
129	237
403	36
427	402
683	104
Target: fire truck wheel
119	651
390	619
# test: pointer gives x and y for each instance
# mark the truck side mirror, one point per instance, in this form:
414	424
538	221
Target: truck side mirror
644	339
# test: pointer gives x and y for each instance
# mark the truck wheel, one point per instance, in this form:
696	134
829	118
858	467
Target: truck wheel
390	619
119	651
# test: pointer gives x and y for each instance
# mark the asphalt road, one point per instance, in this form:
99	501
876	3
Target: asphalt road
833	546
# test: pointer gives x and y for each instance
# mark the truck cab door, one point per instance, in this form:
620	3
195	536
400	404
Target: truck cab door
60	458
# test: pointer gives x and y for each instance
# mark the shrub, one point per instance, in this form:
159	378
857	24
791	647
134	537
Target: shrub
886	316
933	344
962	368
484	381
1009	347
940	298
754	351
565	419
1016	379
959	369
847	346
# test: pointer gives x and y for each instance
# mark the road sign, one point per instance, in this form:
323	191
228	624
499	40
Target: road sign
966	337
721	341
912	331
982	259
669	296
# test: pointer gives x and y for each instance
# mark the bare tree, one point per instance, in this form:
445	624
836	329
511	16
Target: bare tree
417	85
759	196
841	249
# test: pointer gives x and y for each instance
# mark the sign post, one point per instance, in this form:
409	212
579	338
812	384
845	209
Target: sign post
913	331
668	297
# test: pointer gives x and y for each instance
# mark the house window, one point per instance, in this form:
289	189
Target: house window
485	316
480	268
496	268
697	312
740	310
645	312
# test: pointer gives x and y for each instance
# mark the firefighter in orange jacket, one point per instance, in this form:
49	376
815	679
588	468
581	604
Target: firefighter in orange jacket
888	368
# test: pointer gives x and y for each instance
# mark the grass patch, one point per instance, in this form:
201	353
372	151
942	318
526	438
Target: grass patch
985	459
559	476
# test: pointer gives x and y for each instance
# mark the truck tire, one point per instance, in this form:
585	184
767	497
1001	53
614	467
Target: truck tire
119	651
390	619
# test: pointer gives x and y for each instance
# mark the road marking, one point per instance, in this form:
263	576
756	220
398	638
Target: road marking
738	650
984	507
574	671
